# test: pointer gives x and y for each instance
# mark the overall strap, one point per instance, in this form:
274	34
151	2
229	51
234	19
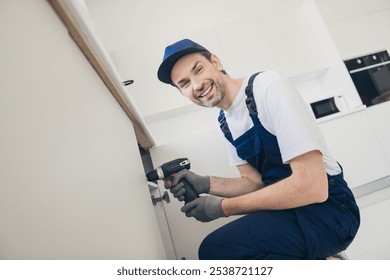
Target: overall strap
250	104
250	100
224	126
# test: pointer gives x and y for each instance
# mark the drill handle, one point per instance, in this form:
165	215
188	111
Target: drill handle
190	193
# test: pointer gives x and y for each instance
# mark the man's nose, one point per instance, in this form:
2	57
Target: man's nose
197	84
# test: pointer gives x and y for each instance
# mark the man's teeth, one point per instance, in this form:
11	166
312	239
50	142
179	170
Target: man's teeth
206	92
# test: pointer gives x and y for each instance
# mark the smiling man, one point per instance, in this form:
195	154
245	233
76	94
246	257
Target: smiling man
210	92
297	203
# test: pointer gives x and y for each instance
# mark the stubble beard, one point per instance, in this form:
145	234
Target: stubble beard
219	95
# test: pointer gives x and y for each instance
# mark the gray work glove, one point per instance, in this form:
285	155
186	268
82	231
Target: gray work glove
205	208
201	184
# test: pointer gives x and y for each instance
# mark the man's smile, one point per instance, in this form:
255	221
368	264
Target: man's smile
206	91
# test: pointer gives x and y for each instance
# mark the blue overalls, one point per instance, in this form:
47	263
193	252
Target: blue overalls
314	231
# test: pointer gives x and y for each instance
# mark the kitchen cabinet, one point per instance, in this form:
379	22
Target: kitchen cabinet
304	53
358	27
356	36
354	143
262	43
256	53
379	116
333	10
72	184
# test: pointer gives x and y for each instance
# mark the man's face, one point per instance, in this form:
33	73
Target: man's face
199	79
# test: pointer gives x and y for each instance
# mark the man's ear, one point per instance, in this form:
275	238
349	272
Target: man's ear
216	62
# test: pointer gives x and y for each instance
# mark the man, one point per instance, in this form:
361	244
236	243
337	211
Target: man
298	204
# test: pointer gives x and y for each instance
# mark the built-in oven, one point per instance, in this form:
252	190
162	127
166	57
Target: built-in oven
371	76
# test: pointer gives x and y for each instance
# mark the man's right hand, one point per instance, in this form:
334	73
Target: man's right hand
201	184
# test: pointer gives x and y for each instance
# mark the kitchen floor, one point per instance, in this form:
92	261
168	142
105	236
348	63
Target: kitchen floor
373	239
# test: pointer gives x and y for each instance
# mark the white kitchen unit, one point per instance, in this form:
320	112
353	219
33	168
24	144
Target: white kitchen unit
262	42
254	54
357	26
304	53
379	116
353	141
72	184
372	241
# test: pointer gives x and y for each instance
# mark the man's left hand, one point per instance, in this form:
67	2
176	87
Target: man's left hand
204	209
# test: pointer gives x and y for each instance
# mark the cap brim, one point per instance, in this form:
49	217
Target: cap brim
165	69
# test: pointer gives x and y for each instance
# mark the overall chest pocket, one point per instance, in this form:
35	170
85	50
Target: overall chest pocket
248	144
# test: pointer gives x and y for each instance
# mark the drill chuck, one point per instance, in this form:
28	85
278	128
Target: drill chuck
154	175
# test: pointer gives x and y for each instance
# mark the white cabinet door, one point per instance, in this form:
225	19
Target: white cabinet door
357	27
304	53
353	142
356	36
379	116
246	47
72	184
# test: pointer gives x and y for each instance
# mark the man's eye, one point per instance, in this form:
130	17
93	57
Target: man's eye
184	85
199	69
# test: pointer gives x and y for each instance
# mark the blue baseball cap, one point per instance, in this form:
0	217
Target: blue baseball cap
172	54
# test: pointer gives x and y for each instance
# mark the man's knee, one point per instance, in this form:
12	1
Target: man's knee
207	247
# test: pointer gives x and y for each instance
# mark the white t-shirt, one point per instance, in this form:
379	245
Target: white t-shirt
283	113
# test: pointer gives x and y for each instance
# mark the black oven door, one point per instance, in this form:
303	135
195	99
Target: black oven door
381	78
373	85
371	76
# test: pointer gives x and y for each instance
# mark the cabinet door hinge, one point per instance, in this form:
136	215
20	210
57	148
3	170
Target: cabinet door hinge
165	198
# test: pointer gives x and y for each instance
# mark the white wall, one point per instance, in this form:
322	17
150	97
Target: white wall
72	184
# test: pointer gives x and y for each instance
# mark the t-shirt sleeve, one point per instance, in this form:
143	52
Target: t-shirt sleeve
287	117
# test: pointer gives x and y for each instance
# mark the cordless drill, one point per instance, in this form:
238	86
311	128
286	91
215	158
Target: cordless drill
167	171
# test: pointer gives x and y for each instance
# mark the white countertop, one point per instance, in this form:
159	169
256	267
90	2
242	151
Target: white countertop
371	187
